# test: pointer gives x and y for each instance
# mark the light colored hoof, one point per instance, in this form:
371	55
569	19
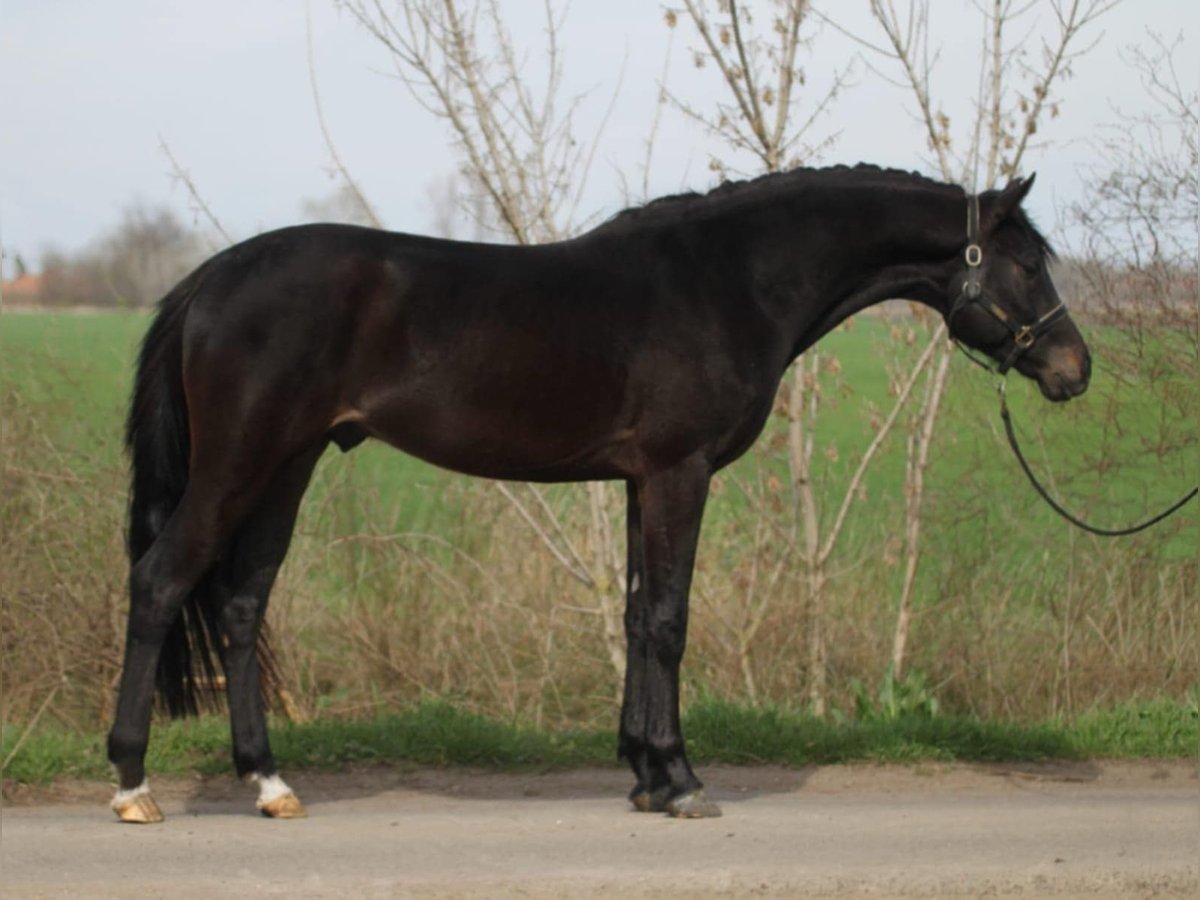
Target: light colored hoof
285	806
693	805
138	810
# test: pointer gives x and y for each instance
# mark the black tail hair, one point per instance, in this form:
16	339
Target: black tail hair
158	439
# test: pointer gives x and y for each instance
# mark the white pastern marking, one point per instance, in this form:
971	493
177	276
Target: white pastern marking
124	798
270	787
635	584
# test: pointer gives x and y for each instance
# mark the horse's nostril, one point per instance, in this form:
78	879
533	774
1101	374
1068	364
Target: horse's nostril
1077	364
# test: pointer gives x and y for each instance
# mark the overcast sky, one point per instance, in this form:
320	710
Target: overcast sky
90	87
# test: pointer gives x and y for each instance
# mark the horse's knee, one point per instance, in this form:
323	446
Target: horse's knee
667	637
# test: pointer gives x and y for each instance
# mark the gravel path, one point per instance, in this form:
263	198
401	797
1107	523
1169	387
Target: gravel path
1086	829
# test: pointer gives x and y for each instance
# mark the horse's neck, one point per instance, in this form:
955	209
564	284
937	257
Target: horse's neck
891	244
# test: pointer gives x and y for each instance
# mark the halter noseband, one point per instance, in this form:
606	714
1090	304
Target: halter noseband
1023	336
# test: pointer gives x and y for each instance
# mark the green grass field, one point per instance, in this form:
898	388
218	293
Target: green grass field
1017	614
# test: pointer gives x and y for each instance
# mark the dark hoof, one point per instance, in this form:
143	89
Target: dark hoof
648	801
693	805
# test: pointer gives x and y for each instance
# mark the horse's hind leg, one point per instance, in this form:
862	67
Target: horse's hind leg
218	498
158	585
246	578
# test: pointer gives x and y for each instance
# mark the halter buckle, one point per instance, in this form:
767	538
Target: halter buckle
974	255
1024	337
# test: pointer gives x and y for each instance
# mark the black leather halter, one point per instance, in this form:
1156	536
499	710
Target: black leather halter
1023	336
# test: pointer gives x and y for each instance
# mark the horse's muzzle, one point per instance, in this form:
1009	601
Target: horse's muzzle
1064	374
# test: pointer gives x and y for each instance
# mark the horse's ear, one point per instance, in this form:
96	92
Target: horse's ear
1009	199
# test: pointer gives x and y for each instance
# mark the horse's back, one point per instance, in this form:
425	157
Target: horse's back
489	359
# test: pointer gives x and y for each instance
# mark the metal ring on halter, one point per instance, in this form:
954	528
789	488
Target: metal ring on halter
974	255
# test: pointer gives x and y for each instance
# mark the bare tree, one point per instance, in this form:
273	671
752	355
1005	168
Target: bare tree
1013	98
1145	207
761	76
460	61
526	169
146	254
760	70
132	265
1137	253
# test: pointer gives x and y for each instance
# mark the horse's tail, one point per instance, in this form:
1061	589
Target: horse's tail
157	437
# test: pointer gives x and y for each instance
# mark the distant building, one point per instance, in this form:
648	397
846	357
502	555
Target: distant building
25	289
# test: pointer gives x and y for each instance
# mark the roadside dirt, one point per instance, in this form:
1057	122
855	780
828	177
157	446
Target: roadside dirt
1063	829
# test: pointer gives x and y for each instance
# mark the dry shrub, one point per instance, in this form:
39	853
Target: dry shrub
483	615
1119	624
62	574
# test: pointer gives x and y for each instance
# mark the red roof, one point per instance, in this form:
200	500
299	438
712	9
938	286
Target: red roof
23	286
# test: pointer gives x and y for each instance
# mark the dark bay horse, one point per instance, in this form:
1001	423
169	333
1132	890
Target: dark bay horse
648	350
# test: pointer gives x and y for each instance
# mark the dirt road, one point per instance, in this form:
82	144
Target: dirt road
1129	829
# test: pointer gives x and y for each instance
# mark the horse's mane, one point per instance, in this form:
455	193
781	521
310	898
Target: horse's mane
675	206
691	202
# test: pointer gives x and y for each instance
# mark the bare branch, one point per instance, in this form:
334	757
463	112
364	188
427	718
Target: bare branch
731	81
184	177
360	199
906	40
1072	20
756	117
569	561
831	536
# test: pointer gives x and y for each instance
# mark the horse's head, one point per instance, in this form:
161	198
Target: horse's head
1004	304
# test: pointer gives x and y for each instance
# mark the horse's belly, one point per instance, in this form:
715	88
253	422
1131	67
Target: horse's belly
504	443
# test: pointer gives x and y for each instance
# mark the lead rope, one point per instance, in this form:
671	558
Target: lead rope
972	291
1054	505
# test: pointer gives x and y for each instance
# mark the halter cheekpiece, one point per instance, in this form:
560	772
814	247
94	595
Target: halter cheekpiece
1023	336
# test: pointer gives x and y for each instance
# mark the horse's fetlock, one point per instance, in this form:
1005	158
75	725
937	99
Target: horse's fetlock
664	747
126	744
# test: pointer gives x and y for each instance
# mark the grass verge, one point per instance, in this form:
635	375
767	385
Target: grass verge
436	733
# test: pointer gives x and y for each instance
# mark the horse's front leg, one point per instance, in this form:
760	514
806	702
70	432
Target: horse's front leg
665	513
631	744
